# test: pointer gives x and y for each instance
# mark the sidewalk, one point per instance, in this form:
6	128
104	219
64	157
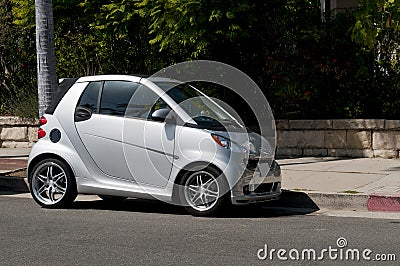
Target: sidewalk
340	183
14	152
333	183
12	160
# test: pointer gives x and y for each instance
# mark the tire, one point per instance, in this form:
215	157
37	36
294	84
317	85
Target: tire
204	192
52	184
112	199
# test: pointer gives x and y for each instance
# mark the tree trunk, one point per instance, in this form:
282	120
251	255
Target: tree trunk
46	59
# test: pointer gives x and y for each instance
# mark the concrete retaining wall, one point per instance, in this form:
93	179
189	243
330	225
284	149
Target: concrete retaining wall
339	138
17	132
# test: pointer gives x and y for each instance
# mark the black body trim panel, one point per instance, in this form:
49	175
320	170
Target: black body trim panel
64	86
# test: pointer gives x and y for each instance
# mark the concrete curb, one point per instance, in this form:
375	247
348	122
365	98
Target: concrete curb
335	201
7	172
356	202
384	203
10	165
318	200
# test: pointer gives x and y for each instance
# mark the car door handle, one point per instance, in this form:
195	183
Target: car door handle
82	114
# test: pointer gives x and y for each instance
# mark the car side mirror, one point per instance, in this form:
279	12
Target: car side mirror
163	115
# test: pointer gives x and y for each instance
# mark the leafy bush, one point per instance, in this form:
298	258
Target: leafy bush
308	67
17	66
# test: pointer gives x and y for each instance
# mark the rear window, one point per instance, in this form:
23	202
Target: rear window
90	96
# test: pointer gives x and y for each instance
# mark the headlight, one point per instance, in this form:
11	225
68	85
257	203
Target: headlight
223	142
228	144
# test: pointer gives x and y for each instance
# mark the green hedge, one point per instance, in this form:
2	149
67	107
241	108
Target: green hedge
307	67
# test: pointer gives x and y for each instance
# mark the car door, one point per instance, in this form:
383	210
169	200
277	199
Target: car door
148	145
102	133
99	120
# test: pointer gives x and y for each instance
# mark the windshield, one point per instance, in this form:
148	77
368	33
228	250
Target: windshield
203	110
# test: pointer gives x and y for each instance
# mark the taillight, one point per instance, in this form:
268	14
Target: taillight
41	133
42	121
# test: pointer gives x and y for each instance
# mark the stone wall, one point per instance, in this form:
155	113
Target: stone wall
339	138
17	132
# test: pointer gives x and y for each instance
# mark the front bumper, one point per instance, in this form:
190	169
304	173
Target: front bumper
254	187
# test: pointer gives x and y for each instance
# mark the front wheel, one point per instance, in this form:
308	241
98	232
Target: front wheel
52	184
204	192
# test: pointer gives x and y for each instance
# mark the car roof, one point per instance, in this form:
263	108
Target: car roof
126	77
109	77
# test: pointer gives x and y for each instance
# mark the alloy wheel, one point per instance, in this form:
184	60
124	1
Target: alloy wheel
49	183
201	191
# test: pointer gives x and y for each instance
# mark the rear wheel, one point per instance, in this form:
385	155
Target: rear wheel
204	192
52	184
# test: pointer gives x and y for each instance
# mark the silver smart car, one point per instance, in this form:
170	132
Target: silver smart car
120	136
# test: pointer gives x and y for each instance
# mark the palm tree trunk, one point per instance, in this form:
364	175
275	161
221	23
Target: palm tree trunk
46	59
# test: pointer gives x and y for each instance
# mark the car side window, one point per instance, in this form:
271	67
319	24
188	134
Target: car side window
116	96
143	103
90	96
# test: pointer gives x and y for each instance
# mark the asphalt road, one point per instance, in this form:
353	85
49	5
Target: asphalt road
142	232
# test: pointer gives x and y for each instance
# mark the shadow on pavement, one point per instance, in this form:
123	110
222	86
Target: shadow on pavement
12	185
291	203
